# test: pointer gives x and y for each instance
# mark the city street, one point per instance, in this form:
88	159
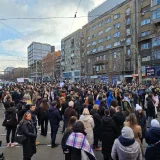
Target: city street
44	151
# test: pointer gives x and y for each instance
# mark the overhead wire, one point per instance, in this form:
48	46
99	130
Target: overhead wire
75	16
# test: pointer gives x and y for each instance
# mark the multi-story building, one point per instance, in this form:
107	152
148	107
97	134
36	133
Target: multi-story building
149	36
36	51
70	56
51	66
107	44
8	73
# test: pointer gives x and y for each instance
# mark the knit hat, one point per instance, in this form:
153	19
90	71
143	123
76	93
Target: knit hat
155	123
127	132
138	107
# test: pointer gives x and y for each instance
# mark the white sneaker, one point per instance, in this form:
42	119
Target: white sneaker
8	144
13	145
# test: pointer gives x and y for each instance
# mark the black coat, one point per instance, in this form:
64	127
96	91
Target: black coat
119	119
97	122
29	147
108	134
142	122
150	107
152	137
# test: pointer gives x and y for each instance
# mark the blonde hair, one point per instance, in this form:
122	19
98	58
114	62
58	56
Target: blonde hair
86	111
96	107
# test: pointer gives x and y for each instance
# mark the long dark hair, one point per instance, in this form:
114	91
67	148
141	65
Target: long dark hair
72	120
44	105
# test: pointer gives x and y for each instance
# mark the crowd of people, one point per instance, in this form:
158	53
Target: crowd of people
113	119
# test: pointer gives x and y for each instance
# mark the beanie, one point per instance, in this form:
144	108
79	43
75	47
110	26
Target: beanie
155	123
138	107
127	132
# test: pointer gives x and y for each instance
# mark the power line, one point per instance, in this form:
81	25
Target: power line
16	31
75	16
63	17
11	55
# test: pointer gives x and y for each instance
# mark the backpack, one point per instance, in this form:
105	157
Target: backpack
9	121
20	137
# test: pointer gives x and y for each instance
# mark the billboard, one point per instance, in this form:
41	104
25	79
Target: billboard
153	71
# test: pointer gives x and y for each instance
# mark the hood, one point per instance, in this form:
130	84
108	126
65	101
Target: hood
154	134
106	119
85	118
51	109
10	110
129	150
126	141
111	94
149	99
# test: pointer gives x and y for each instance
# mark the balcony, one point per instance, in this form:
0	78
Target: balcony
128	57
101	62
101	72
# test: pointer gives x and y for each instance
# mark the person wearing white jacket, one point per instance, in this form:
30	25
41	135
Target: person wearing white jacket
88	122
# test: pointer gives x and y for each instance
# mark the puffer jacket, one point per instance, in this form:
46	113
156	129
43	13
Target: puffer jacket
152	139
120	152
89	125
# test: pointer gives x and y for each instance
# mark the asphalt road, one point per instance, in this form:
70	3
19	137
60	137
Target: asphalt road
44	151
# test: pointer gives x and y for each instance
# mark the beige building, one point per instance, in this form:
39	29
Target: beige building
107	44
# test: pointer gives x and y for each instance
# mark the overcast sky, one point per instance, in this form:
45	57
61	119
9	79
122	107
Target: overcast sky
13	46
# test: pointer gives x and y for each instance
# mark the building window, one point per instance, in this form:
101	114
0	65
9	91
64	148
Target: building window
128	21
89	38
145	46
145	59
108	37
94	50
88	52
100	24
100	33
128	31
128	41
156	14
145	21
145	9
94	43
155	55
155	2
117	44
128	11
117	25
116	16
100	40
108	46
88	45
108	29
94	27
117	34
100	48
128	52
155	42
108	20
104	57
146	33
89	60
94	35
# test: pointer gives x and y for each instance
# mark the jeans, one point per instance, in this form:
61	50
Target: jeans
44	126
54	130
149	121
9	129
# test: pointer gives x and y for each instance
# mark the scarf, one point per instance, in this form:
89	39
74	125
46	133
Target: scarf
126	141
79	141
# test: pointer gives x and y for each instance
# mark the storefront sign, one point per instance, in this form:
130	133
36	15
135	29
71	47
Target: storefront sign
150	71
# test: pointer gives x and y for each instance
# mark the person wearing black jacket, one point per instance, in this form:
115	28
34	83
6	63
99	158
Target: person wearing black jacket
55	118
28	129
150	109
11	115
108	134
119	119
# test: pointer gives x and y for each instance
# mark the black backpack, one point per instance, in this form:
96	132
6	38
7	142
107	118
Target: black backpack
10	120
